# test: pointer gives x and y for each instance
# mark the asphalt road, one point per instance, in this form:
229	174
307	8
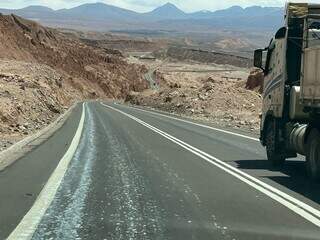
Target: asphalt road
140	175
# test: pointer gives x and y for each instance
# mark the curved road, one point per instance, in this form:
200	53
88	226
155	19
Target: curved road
136	174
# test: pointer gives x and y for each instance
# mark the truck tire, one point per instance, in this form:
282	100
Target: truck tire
272	146
313	155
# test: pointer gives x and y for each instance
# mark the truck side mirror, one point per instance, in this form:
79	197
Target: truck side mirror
257	60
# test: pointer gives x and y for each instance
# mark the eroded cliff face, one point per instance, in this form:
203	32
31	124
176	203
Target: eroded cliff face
42	72
28	41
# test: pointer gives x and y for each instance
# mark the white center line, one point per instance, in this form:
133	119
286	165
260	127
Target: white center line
306	211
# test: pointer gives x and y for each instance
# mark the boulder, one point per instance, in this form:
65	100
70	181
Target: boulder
255	80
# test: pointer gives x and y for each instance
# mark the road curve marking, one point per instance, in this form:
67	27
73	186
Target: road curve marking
28	225
198	124
306	211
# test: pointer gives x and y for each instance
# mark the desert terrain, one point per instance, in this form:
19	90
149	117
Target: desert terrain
213	85
211	92
43	71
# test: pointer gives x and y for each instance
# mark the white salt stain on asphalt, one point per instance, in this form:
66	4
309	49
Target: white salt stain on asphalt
136	214
64	218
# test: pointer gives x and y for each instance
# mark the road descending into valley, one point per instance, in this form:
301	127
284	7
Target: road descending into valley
119	172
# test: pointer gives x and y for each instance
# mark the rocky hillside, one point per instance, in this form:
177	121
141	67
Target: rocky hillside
31	96
223	95
42	72
110	75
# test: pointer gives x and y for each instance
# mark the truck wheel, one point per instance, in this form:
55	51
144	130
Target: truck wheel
272	146
313	155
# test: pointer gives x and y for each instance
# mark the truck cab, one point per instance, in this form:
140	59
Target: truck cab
291	89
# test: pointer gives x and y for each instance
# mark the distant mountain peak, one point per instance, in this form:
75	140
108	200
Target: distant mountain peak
100	4
38	7
169	4
167	11
167	16
235	7
94	5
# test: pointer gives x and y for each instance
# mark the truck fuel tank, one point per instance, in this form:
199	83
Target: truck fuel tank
297	136
296	108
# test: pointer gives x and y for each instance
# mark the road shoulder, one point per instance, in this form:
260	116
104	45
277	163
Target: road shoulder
22	182
21	148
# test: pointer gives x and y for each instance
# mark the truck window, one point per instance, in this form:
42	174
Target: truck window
270	58
294	50
313	33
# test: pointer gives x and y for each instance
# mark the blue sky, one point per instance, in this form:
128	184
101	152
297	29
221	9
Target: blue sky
145	5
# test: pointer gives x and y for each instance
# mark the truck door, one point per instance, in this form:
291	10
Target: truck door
274	79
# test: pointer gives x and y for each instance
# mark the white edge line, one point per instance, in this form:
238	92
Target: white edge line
29	223
300	208
197	124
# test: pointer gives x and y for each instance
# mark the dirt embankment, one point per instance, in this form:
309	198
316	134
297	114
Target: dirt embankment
183	54
213	93
125	44
27	41
42	72
31	96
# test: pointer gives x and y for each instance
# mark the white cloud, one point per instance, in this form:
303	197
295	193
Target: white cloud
146	5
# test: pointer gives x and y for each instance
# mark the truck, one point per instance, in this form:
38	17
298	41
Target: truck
290	119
